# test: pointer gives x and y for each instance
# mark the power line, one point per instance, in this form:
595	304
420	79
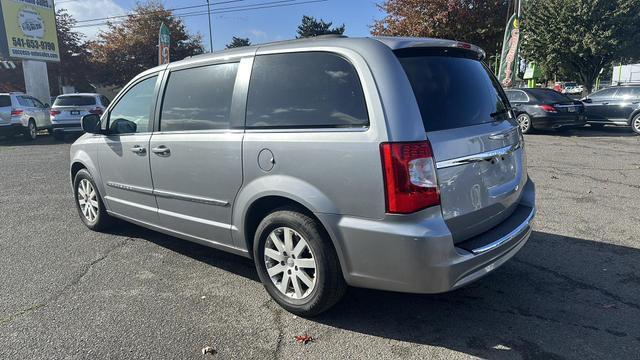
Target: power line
221	11
159	11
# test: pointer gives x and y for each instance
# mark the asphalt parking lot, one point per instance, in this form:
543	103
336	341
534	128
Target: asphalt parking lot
573	292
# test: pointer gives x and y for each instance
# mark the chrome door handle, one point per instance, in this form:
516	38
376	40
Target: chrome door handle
138	150
161	150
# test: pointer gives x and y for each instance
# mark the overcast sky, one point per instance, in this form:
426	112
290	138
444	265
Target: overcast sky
259	26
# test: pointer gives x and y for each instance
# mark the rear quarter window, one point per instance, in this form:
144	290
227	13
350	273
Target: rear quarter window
75	101
452	90
5	100
305	90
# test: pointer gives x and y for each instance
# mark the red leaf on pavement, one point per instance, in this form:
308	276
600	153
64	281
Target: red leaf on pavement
303	339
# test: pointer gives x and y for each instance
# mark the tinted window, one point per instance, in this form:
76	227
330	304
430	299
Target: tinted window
312	89
75	101
628	93
133	111
603	94
453	91
37	102
104	100
25	101
199	98
517	96
5	101
549	96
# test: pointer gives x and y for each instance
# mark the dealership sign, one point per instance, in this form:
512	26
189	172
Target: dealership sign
28	30
164	41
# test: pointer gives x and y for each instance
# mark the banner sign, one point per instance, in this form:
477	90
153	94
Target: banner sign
164	40
507	72
30	28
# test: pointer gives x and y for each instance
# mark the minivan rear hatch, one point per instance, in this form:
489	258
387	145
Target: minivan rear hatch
476	145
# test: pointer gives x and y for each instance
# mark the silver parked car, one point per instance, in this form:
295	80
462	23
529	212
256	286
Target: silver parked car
385	163
23	114
68	109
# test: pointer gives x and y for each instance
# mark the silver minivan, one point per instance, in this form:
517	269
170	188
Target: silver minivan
385	163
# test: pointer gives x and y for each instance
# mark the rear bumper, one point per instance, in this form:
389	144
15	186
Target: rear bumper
555	122
66	128
417	254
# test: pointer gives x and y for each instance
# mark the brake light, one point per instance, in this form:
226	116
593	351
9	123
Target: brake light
409	176
97	111
548	108
54	112
16	112
463	45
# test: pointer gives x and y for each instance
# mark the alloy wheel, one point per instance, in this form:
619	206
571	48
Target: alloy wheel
524	122
290	263
33	132
636	124
88	200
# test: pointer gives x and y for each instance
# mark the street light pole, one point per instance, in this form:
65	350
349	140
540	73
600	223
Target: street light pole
210	33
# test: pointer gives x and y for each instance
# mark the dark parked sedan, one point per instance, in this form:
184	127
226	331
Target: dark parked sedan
545	109
618	105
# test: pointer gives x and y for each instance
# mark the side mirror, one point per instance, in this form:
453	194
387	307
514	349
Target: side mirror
91	123
587	100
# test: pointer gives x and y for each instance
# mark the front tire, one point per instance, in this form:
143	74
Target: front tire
297	263
524	121
89	202
635	124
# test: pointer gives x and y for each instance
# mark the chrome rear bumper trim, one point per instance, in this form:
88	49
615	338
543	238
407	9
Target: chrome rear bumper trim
522	228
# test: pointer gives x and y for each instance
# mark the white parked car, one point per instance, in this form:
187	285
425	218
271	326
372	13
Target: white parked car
572	88
23	114
68	109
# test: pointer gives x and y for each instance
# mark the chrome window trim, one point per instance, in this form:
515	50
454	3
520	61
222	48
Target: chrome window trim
484	156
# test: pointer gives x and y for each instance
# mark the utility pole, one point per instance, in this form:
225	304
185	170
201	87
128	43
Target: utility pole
210	32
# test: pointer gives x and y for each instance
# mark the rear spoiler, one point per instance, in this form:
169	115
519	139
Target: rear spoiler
397	43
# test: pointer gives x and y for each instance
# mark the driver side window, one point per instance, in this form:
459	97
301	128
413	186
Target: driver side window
132	113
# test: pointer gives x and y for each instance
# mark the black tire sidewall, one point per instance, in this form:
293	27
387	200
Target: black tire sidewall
320	298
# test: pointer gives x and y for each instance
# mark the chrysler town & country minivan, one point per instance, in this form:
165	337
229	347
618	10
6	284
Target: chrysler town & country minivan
385	163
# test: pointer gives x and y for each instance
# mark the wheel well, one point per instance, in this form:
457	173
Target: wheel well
633	115
263	207
75	168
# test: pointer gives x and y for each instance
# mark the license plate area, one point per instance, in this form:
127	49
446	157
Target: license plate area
571	109
75	112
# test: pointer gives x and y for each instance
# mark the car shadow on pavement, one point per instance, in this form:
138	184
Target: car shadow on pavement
587	131
42	139
560	297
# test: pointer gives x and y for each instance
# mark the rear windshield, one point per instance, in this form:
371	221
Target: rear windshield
75	101
549	96
452	90
5	100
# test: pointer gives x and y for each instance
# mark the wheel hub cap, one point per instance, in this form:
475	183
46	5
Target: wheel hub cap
290	263
88	200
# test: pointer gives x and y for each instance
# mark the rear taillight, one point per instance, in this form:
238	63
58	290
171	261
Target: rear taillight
548	108
409	176
16	112
97	111
54	112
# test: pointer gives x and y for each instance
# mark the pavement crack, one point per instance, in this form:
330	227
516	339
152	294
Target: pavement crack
579	284
68	286
277	318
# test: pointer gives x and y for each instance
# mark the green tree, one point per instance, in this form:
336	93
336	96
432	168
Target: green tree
74	67
310	27
238	42
480	22
581	37
129	47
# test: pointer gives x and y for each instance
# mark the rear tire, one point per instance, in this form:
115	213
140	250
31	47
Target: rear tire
635	124
31	132
524	121
89	202
304	259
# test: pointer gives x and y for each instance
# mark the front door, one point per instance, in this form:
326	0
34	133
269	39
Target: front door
598	108
195	156
123	154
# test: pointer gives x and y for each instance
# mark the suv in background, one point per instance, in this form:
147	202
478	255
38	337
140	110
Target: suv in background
617	105
23	114
68	109
388	163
